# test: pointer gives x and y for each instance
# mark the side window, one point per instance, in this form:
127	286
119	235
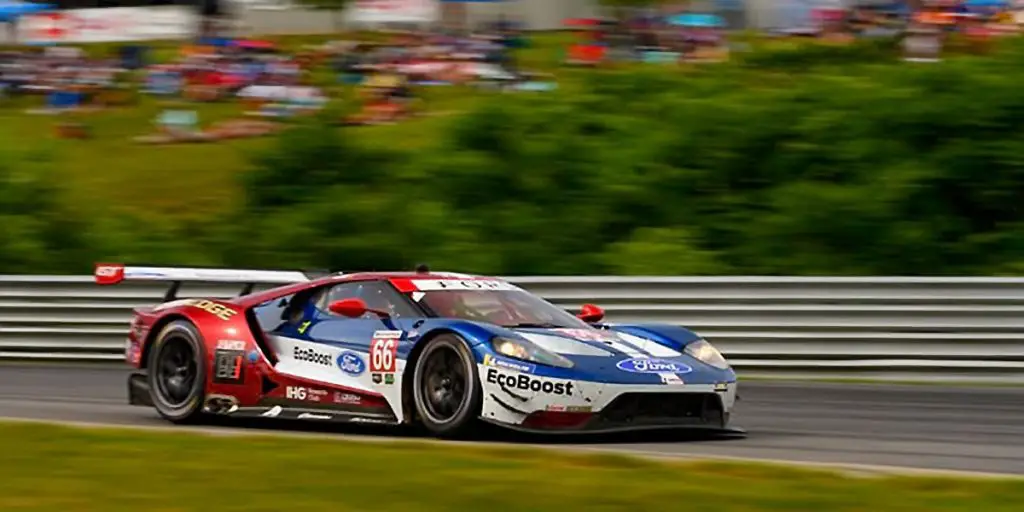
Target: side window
335	293
376	295
271	314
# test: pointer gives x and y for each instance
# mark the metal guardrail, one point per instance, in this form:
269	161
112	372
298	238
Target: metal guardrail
940	328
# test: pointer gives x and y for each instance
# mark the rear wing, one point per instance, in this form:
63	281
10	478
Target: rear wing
115	273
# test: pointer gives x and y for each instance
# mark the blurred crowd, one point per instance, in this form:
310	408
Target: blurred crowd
388	75
694	37
385	80
62	71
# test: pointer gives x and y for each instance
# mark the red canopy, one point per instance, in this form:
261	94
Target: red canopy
581	22
254	44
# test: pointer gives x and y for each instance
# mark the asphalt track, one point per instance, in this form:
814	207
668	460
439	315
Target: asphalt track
929	427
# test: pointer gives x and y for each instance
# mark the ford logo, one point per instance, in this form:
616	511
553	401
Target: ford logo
351	363
652	366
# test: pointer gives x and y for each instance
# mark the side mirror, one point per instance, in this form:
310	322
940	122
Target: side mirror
590	314
352	308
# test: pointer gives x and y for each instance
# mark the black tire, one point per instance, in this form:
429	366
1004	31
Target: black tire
177	372
446	387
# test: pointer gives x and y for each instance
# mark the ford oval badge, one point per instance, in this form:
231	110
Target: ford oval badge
652	366
351	363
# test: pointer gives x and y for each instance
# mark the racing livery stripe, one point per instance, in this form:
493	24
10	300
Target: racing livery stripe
570	346
650	347
626	348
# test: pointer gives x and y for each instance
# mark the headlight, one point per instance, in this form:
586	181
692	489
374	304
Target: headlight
706	353
527	351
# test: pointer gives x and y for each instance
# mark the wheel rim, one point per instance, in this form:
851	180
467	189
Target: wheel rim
176	371
443	386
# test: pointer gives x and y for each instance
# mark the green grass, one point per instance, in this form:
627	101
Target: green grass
113	168
47	467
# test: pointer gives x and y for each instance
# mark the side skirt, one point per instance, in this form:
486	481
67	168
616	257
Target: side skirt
222	405
299	413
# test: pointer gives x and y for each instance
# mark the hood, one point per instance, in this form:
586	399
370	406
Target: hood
619	357
594	342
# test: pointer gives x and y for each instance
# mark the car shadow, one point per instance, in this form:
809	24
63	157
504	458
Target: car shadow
487	433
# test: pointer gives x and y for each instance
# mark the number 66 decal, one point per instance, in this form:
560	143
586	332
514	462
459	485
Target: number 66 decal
383	350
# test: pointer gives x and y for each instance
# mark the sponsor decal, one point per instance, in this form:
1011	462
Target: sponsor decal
368	420
304	394
351	363
722	386
254	356
671	379
498	362
383	378
142	274
311	416
231	345
384	351
527	383
427	285
569	408
346	398
227	366
311	355
641	365
218	310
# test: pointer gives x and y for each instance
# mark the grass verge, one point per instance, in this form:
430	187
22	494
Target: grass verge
49	467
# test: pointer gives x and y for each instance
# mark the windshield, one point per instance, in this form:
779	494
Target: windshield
507	308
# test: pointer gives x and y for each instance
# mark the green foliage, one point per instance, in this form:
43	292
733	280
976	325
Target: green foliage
327	5
38	233
818	160
804	56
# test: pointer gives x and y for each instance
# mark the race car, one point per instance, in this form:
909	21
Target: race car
441	350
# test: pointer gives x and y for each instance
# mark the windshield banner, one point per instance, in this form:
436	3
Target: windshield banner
429	285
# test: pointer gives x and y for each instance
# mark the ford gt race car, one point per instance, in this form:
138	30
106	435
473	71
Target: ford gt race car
441	350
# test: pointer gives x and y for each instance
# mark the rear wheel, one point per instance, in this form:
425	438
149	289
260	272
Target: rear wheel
446	387
177	372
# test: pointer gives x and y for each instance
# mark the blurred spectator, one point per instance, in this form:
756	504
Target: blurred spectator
65	75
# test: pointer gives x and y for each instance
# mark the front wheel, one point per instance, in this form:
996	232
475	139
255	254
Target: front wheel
177	372
446	387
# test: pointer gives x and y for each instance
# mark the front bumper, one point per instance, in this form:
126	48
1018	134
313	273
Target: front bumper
601	407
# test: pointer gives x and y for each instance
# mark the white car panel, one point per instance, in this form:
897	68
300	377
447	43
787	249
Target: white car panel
535	393
305	360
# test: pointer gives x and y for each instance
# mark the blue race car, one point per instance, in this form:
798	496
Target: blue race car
443	350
